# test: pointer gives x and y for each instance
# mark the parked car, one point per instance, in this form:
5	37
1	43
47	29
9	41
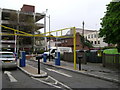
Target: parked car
8	60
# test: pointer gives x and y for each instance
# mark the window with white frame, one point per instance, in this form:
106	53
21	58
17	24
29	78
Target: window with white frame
95	42
91	35
88	36
98	42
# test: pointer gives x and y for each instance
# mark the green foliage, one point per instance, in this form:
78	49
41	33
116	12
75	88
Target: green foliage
111	51
41	51
86	42
110	29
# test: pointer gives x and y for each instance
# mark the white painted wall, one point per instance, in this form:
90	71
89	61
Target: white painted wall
96	39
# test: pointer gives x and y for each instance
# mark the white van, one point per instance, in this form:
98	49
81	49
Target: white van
57	49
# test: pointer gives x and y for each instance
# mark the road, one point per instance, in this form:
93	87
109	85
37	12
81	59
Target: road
22	81
75	80
57	78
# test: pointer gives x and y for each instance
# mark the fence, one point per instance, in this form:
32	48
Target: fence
108	60
111	60
68	56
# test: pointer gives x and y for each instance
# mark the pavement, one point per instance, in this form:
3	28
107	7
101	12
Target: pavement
90	69
32	71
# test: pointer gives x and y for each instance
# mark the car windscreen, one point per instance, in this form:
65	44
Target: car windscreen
6	55
53	51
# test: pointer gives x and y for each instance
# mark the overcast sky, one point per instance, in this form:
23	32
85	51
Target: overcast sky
65	13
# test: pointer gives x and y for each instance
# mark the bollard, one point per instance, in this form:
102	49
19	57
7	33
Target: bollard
80	57
57	58
22	59
44	57
38	66
38	58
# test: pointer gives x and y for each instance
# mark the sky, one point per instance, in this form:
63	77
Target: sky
65	13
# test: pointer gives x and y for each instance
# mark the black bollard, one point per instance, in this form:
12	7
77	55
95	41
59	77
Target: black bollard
38	58
39	66
79	61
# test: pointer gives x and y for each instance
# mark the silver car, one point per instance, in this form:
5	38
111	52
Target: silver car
8	60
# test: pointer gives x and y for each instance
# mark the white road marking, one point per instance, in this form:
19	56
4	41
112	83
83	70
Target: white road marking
59	72
56	81
53	84
12	79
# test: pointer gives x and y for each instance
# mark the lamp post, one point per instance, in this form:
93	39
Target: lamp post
49	37
45	30
83	33
17	37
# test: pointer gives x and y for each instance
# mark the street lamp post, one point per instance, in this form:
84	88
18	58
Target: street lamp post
45	31
17	37
83	33
49	37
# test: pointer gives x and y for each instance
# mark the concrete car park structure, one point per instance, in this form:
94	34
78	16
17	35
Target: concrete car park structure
23	20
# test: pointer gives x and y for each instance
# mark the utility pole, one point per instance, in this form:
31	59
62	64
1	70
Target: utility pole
45	29
34	28
17	37
49	37
83	33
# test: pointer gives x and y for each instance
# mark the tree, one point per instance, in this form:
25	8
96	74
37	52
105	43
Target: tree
28	24
110	25
86	42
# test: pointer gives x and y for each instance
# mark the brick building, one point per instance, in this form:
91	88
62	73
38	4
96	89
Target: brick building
68	42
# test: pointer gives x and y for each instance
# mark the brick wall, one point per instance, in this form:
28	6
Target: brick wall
28	8
68	42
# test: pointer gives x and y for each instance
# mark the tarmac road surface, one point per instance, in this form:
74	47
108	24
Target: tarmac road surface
74	80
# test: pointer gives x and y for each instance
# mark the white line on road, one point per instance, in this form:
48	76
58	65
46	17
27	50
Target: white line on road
59	72
12	79
53	84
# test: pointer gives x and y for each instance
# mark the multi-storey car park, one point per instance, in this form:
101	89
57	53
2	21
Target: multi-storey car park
24	20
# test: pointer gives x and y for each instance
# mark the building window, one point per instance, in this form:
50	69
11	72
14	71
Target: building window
91	35
88	36
92	42
95	42
95	35
98	42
